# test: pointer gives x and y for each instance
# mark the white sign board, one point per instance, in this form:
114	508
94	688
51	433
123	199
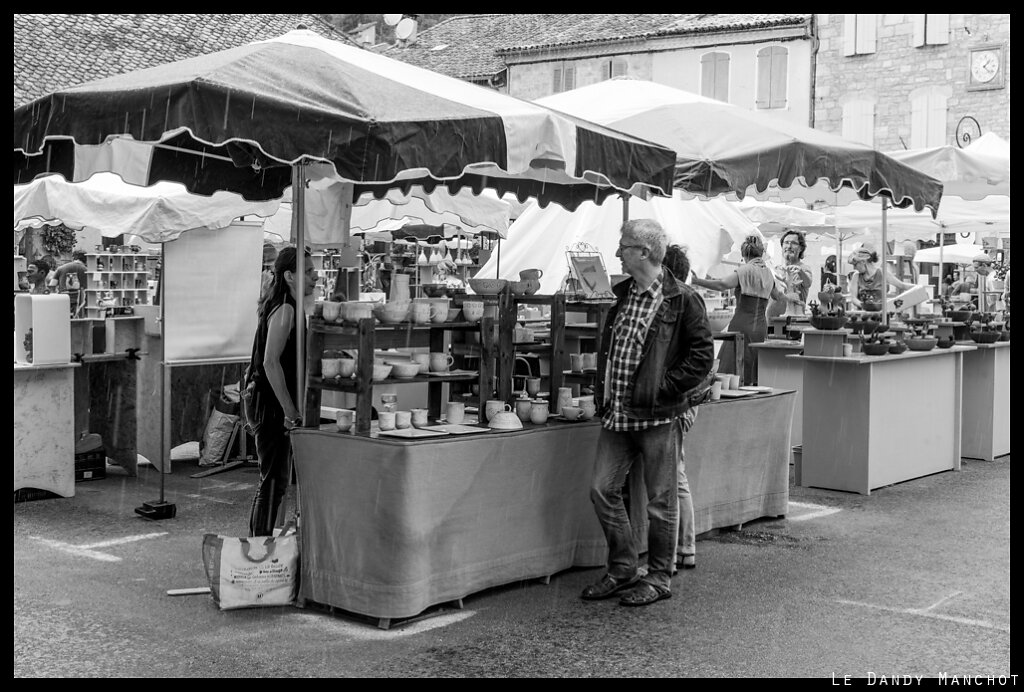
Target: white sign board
211	287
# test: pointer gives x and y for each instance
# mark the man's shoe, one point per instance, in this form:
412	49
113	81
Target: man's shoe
645	593
608	586
686	561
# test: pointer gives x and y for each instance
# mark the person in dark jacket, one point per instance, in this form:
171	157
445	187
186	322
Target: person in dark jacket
656	355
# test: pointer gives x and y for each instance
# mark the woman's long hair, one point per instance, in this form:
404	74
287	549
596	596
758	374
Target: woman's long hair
278	291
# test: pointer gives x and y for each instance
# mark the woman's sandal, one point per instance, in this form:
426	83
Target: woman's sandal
644	594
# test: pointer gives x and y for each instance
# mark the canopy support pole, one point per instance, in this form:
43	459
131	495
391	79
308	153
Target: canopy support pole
299	233
885	265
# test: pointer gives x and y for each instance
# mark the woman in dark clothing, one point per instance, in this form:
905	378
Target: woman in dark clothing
274	402
754	283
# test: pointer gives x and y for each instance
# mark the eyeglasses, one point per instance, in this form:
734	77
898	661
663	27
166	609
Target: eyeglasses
624	247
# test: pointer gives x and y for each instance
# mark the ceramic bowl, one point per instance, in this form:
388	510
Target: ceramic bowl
453	314
921	344
985	337
381	372
946	343
355	310
404	369
505	420
719	319
518	288
875	349
392	312
960	315
823	322
488	287
897	347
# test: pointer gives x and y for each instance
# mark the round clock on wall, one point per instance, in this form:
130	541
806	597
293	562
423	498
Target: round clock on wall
985	67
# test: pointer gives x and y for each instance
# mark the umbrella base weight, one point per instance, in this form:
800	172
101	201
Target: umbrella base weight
157	510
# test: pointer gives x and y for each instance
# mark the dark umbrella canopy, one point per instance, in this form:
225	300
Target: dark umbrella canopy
254	111
727	149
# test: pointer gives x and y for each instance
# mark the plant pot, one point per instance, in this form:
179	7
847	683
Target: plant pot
897	347
826	322
921	343
874	349
946	342
1004	335
960	315
985	337
871	307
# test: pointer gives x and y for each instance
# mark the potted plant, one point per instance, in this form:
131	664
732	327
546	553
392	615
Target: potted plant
874	343
919	338
831	315
983	331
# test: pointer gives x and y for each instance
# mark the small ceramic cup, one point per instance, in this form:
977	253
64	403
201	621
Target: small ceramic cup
473	310
576	362
571	412
403	419
716	390
539	411
386	420
345	418
346	366
455	412
589	361
418	417
424	360
440	362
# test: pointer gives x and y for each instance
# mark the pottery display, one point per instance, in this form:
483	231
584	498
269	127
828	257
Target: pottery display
926	343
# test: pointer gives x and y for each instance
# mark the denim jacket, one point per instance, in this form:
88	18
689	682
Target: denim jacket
675	367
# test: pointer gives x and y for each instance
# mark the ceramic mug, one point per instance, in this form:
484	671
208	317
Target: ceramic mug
531	274
424	360
386	420
344	418
571	412
539	411
716	390
346	366
576	362
494	406
420	312
455	412
588	409
418	417
403	419
438	310
533	386
473	310
440	362
589	361
734	381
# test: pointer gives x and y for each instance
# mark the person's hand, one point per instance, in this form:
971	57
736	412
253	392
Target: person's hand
292	423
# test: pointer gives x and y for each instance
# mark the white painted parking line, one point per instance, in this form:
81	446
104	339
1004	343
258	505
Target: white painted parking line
812	511
353	630
926	613
196	496
88	550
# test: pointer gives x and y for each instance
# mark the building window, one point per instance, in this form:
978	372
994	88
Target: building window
616	67
858	34
772	63
931	29
859	122
927	120
564	79
714	76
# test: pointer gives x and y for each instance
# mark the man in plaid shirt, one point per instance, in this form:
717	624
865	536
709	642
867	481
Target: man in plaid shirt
656	355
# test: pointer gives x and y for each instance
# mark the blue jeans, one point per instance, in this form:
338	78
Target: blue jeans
654	452
687	543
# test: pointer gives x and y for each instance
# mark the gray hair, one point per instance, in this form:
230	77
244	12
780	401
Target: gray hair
648	233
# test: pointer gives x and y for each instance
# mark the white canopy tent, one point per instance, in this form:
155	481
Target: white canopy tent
539	238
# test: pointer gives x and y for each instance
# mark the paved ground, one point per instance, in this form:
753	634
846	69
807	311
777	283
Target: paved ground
911	580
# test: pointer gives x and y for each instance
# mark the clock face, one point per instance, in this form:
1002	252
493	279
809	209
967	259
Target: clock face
984	65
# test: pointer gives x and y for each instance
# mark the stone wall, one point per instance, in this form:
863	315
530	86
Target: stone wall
897	69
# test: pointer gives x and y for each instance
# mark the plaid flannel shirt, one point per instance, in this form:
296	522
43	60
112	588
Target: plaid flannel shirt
628	336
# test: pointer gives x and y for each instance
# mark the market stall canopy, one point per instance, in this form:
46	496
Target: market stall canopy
965	173
539	238
242	118
724	149
990	144
107	204
957	253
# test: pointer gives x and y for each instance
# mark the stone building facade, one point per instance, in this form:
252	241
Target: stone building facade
898	81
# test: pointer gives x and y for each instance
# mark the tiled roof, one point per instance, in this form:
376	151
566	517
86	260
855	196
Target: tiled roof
52	51
474	45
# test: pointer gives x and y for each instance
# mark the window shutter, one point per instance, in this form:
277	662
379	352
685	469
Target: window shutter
849	34
937	26
918	38
557	84
707	75
619	68
764	78
779	62
866	33
919	122
570	78
936	120
722	77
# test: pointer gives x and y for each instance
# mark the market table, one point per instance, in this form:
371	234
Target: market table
774	369
391	527
44	443
986	401
871	421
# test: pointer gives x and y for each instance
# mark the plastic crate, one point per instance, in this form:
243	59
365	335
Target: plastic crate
90	458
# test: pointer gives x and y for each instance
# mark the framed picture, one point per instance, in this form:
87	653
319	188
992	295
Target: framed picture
591	276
